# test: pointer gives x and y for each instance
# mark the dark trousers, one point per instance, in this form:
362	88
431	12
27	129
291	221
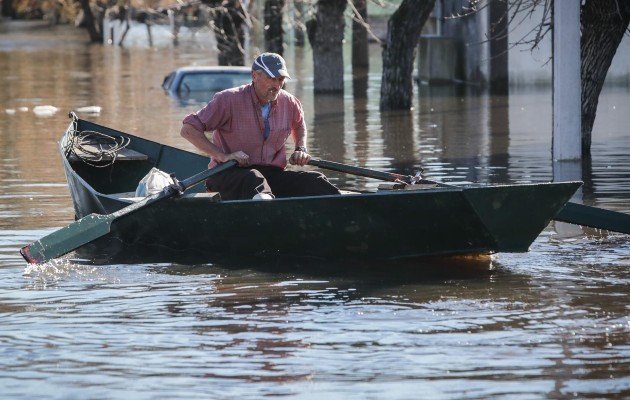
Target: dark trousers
243	183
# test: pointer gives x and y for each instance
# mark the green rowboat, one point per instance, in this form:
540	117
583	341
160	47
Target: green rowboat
198	227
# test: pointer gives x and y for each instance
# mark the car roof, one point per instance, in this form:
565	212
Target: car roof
203	68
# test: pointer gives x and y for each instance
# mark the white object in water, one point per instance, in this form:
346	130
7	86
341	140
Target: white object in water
90	109
45	111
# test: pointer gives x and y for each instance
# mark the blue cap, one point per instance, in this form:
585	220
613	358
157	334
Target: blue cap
273	64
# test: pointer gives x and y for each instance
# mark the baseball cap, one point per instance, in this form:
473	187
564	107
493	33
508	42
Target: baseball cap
273	64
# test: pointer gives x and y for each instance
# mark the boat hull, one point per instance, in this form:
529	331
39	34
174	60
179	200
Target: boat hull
384	225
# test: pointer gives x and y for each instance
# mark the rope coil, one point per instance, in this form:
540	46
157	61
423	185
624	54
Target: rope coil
93	148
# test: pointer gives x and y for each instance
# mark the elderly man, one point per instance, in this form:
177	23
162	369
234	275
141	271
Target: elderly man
251	124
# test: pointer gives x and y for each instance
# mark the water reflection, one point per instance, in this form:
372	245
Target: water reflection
399	141
223	328
328	135
476	142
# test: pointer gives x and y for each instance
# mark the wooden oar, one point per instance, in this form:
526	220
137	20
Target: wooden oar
94	226
572	213
368	173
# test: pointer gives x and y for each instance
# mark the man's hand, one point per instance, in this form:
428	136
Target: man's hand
241	158
300	158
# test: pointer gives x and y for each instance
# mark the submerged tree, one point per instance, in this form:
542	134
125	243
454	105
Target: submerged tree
325	32
399	53
90	23
603	23
7	9
360	53
228	17
274	33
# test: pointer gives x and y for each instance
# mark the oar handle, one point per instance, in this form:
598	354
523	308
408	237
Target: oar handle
369	173
181	186
203	175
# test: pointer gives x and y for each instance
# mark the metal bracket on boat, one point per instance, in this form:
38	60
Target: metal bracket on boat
417	178
177	185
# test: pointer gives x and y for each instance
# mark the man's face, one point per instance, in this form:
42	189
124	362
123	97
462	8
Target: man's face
267	88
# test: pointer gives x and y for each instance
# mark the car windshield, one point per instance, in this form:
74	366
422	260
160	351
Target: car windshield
212	82
168	80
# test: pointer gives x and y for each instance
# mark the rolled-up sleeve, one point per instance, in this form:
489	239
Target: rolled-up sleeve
193	119
212	116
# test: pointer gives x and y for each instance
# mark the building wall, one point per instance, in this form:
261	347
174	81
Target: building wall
529	66
526	66
469	33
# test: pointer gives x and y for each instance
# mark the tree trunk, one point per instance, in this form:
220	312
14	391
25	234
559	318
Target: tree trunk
273	26
325	33
399	53
360	51
227	24
90	23
499	46
360	54
603	24
298	23
7	9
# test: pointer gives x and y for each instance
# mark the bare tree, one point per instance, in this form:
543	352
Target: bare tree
325	32
90	23
273	26
228	17
499	76
7	9
360	48
403	31
603	23
298	23
360	54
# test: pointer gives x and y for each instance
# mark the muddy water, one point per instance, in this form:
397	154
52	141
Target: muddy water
551	323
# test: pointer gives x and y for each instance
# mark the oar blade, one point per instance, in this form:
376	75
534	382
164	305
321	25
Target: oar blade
67	239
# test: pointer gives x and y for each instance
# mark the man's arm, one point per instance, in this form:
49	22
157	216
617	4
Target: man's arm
201	142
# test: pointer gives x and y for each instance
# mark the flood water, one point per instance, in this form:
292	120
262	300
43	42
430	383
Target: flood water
552	323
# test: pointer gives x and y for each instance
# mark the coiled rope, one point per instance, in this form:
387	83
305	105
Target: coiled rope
94	148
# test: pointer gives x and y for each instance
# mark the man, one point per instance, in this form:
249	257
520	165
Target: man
251	124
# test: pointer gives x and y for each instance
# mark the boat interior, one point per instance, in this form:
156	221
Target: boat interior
114	163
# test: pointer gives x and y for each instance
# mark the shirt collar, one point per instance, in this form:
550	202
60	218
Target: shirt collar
255	100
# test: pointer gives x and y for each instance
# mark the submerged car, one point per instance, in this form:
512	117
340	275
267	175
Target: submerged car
198	84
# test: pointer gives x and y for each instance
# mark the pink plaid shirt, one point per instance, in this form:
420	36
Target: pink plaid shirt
235	118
